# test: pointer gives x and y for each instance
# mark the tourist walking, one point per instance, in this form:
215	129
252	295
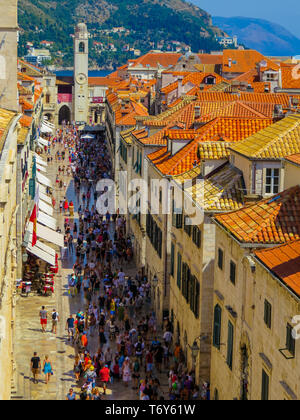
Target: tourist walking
35	366
43	318
47	369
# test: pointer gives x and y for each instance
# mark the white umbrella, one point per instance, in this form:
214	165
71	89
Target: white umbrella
88	137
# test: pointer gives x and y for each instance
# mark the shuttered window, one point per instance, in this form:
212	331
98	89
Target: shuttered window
265	386
230	345
179	270
172	259
290	341
268	314
217	327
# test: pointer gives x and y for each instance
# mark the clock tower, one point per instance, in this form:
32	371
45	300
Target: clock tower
81	70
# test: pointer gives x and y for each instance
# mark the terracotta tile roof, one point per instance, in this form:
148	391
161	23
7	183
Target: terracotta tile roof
288	73
294	159
22	135
26	121
210	59
270	221
169	88
26	105
221	87
126	135
153	60
238	109
274	98
24	77
276	141
104	81
198	78
37	94
223	189
212	141
284	263
244	60
181	134
6	118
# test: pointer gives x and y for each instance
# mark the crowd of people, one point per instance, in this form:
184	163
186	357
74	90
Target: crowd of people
114	332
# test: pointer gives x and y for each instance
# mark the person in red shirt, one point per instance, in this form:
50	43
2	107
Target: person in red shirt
104	377
66	205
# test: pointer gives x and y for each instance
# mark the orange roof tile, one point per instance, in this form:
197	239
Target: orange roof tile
169	88
211	58
294	159
211	141
26	105
26	121
284	263
290	76
274	220
244	60
153	59
197	78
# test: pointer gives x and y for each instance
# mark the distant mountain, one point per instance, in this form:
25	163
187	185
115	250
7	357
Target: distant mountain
148	22
264	36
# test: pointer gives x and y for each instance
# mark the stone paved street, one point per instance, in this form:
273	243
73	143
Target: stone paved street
29	337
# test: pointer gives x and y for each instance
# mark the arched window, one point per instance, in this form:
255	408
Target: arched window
81	47
217	327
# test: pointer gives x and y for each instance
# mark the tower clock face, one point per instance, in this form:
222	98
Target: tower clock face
81	79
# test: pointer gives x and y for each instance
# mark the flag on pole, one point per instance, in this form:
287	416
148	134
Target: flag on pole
33	219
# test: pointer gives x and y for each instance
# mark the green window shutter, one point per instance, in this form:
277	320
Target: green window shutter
183	283
220	258
141	162
34	169
230	342
172	259
232	272
188	284
197	300
32	188
290	341
179	270
265	386
268	314
217	327
192	293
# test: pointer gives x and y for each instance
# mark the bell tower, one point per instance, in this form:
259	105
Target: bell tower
8	54
81	70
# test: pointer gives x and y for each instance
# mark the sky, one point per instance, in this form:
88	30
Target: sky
286	13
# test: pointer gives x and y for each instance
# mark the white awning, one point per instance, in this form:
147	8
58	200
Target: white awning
43	141
38	252
41	168
39	160
47	234
47	122
46	198
43	247
46	208
46	220
43	180
45	129
42	189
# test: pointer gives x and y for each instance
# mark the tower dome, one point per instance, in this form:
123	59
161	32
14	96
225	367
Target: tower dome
81	28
